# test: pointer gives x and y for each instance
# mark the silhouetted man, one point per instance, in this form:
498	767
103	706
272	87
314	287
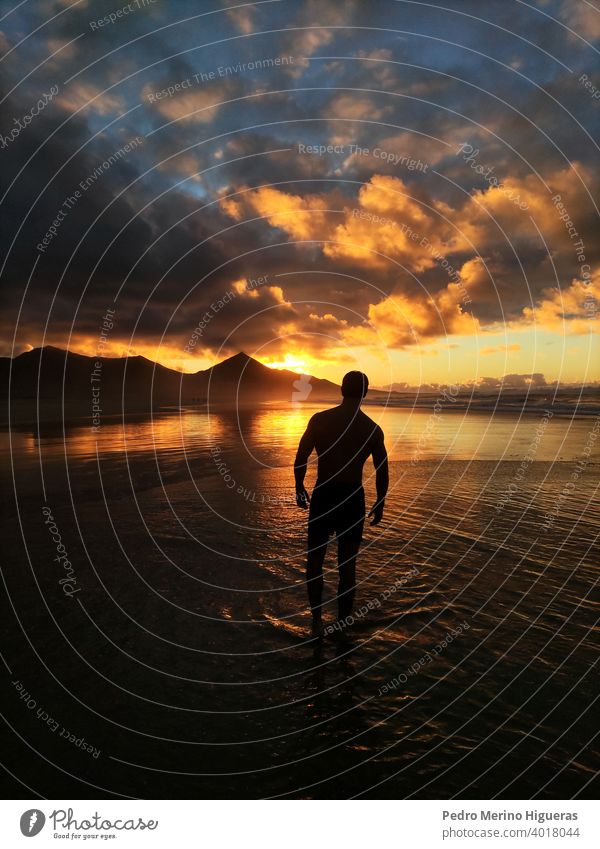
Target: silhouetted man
343	437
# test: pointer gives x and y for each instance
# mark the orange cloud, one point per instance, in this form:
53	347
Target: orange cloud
573	310
243	18
183	163
165	353
501	202
199	105
61	46
582	18
385	222
360	108
400	321
300	217
80	95
274	294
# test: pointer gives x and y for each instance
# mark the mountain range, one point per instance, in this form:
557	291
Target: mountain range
50	384
136	383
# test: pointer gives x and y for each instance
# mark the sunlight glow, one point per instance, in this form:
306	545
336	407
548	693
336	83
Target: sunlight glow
291	362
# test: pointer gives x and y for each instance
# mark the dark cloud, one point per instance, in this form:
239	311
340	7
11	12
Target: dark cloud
412	82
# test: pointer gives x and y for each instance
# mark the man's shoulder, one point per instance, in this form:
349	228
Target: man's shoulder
317	420
370	423
323	415
372	430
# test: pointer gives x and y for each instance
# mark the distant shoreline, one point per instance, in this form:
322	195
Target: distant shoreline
25	413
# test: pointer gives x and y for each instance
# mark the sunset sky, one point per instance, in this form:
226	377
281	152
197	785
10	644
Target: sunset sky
399	187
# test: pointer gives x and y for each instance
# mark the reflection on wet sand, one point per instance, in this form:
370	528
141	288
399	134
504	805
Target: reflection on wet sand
193	603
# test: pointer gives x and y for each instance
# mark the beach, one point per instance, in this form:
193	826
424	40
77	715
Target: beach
157	613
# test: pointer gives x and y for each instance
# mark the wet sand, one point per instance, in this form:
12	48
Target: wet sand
179	650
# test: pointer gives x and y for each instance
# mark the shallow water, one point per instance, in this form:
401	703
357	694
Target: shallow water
183	654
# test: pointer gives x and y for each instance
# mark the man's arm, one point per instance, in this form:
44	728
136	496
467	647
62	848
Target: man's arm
307	443
380	461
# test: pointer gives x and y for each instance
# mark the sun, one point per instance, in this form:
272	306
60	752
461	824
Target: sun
290	362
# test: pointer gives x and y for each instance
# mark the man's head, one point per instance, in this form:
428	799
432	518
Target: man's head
355	385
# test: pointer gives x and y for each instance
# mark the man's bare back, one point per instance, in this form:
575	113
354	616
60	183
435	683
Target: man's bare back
343	437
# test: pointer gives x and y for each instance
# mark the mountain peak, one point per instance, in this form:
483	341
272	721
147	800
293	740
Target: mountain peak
240	357
46	349
49	351
237	364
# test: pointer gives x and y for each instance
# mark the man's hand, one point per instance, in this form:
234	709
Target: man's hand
376	512
302	497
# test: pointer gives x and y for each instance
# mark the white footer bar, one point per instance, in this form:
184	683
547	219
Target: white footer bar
302	824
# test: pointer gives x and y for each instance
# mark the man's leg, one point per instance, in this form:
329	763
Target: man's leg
318	536
348	546
314	575
349	528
